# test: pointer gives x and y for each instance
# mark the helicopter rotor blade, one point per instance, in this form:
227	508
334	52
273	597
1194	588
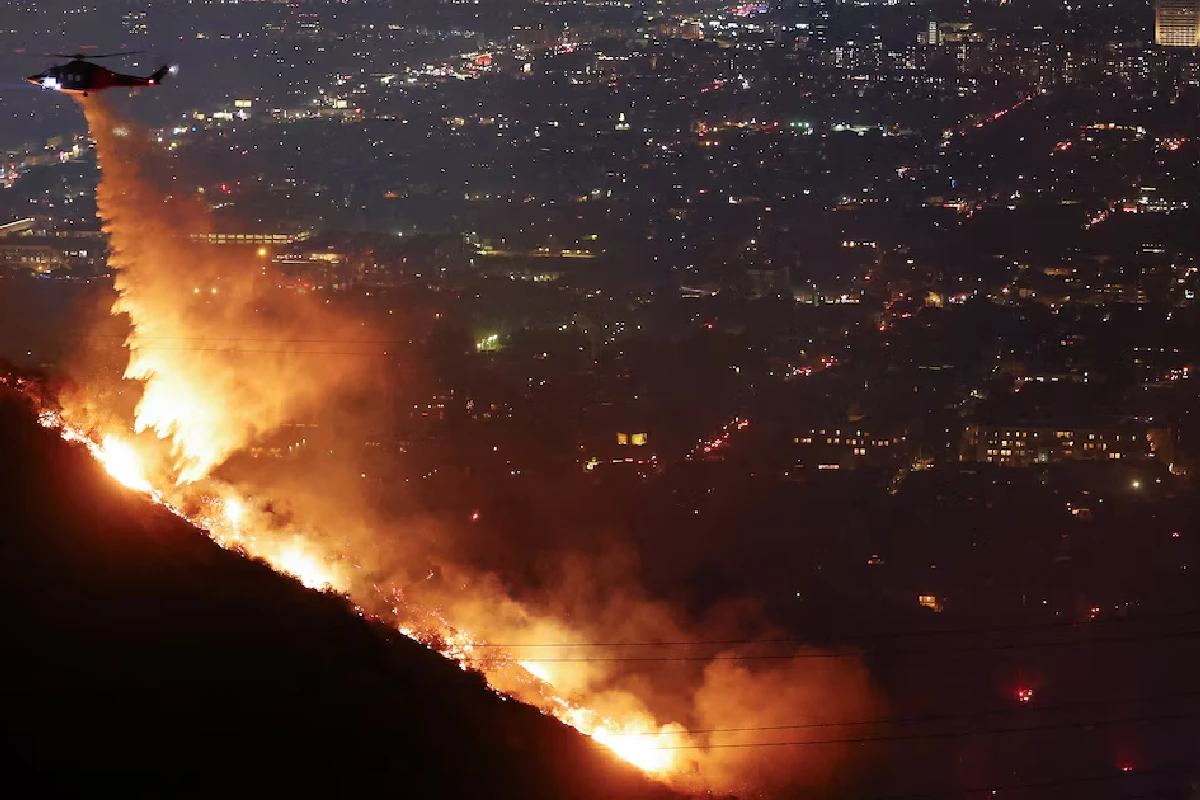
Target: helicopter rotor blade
88	57
115	55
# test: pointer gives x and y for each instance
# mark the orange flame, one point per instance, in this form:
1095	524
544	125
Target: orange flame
229	521
121	462
205	399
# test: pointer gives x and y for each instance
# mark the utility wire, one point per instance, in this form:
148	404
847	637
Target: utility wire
125	337
916	720
241	350
860	653
1057	624
901	737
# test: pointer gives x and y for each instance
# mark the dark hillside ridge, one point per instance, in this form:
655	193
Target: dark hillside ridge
143	659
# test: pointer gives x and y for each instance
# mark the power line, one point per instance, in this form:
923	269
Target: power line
916	720
1058	624
236	350
861	653
901	737
126	337
139	346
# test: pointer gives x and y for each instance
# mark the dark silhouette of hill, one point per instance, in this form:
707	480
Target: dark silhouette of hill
141	658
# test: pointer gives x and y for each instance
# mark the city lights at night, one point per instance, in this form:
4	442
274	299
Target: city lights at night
585	399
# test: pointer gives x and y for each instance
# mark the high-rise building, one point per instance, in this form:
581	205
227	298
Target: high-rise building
1177	23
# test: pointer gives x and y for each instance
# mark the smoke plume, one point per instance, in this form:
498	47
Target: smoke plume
224	358
221	357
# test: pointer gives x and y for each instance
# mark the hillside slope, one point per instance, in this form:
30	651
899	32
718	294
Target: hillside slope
140	656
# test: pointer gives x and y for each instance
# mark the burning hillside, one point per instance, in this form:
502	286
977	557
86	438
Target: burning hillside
216	363
140	654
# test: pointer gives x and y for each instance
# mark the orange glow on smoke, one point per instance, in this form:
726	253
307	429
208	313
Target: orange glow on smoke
215	367
230	521
206	396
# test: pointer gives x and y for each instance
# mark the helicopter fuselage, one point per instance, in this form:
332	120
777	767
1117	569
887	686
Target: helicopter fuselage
83	77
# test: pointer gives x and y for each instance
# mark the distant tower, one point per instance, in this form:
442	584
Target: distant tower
1177	23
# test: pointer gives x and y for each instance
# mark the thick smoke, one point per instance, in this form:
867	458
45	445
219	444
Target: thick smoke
223	359
701	679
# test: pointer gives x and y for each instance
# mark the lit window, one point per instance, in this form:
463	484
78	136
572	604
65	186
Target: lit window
639	439
622	438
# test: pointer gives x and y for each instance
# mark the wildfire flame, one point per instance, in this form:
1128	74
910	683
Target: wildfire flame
121	462
646	751
203	392
204	399
226	519
305	567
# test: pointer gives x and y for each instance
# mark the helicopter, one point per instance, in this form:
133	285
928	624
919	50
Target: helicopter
81	76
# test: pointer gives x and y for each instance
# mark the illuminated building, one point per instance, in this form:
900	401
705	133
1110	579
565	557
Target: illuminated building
26	244
1177	23
250	239
314	270
833	448
25	225
1022	445
34	257
616	435
929	601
